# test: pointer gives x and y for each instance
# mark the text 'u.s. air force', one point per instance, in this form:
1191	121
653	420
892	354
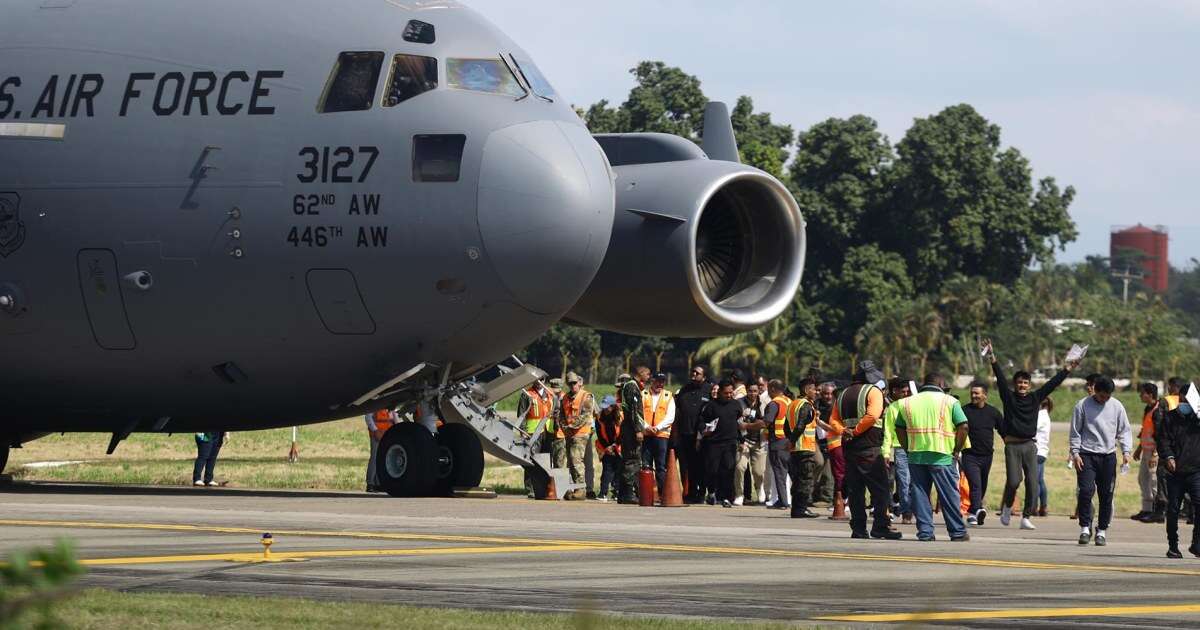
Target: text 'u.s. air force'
199	93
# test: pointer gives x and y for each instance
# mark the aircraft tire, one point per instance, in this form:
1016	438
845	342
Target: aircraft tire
460	459
407	460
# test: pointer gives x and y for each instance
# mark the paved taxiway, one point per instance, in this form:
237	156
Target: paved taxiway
517	554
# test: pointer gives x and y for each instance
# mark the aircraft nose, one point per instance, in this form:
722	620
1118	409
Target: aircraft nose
546	201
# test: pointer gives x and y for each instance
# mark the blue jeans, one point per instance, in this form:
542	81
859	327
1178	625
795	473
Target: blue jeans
1043	494
206	458
654	455
903	479
924	476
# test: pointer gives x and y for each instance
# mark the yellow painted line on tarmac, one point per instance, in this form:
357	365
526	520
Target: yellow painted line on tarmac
1018	613
286	556
568	545
216	529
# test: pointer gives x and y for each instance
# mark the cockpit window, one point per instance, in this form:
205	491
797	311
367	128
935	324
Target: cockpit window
411	76
482	75
352	83
534	76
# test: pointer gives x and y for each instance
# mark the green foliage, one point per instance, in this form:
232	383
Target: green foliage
1184	295
34	582
958	203
568	342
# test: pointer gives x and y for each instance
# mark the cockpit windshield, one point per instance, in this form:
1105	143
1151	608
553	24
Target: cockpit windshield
534	76
482	75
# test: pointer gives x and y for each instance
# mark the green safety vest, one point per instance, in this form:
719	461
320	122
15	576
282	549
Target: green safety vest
929	422
852	404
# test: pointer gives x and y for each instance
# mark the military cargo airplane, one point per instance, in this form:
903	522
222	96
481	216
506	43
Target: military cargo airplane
242	215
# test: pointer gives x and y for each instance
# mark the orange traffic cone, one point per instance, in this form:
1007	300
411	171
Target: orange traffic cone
839	508
551	490
672	494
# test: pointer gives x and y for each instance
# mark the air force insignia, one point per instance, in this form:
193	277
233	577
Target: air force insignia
12	230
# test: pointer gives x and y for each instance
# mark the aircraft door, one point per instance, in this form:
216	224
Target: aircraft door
100	284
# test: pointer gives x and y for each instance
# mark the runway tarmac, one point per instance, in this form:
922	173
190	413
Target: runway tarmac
517	554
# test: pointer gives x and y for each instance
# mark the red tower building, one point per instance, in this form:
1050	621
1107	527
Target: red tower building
1151	241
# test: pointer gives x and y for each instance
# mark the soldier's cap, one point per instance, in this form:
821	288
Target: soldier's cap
660	377
573	378
556	382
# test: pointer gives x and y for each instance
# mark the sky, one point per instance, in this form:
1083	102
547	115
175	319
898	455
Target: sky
1100	95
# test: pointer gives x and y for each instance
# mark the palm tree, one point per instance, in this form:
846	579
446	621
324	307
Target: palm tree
753	346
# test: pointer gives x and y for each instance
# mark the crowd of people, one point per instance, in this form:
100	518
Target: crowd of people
874	450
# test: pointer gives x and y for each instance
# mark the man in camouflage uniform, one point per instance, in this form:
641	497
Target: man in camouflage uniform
576	415
633	426
535	407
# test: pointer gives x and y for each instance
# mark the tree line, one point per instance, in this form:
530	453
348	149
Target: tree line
917	249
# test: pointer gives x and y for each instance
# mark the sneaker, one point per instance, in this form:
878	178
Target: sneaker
1173	552
726	503
980	514
1005	516
212	484
1027	524
602	499
1101	538
737	502
972	521
1085	536
197	483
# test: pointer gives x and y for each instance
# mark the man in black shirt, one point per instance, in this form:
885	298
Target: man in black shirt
983	420
719	426
1021	406
689	400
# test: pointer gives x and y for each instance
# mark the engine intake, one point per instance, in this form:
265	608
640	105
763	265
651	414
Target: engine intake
699	248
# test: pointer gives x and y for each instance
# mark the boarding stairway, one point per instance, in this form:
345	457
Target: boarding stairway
470	404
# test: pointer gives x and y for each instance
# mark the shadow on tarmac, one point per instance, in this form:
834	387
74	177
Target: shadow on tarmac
83	487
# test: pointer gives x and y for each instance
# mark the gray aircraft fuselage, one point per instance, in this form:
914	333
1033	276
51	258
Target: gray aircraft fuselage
197	232
309	282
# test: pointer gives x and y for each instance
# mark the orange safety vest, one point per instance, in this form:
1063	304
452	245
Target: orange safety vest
539	408
657	414
774	431
383	420
808	439
571	407
1147	433
608	435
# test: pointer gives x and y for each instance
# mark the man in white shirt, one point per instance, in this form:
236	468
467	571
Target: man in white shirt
658	411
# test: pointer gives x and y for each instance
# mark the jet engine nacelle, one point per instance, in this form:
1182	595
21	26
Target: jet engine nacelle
699	247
